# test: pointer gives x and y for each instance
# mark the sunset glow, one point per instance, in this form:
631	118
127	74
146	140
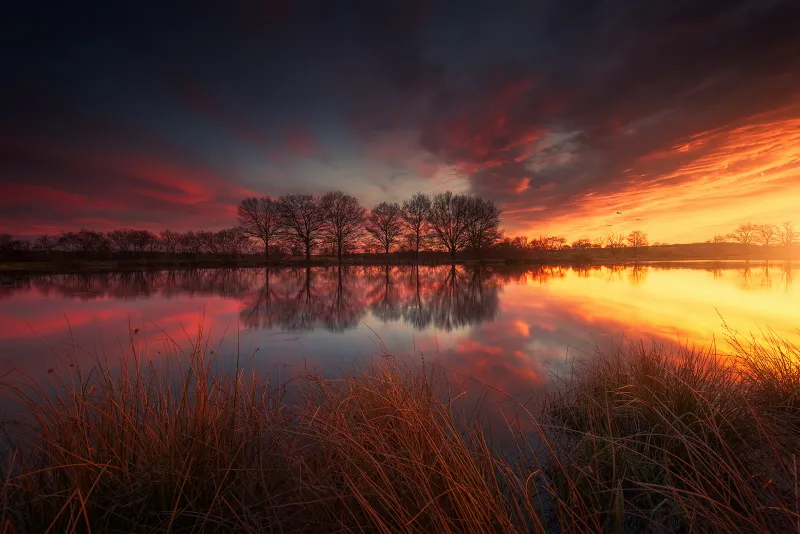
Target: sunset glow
684	121
720	179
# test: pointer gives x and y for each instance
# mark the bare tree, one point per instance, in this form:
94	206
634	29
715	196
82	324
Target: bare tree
120	240
788	234
385	224
207	242
719	238
582	244
767	234
231	241
46	243
554	242
636	240
260	218
415	218
143	241
192	243
483	228
90	241
68	241
344	220
9	244
449	219
304	221
170	241
615	242
744	234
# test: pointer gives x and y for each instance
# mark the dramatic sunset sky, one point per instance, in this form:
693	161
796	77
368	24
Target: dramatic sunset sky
683	115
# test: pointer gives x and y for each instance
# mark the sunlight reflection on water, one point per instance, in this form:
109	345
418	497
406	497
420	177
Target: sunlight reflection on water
506	326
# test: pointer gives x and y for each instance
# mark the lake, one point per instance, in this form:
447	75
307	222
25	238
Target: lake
507	326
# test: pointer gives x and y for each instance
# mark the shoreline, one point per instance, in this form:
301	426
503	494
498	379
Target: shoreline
98	266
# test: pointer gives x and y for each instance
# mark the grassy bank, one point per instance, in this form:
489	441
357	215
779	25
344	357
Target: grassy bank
60	262
640	440
93	266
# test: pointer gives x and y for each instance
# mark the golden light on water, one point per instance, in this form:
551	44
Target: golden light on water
681	305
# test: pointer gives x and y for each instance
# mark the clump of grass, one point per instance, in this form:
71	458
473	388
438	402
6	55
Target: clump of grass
187	446
643	439
676	441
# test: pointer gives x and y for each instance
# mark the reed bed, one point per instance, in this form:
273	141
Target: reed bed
643	439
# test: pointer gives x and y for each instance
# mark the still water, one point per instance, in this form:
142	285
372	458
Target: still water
509	327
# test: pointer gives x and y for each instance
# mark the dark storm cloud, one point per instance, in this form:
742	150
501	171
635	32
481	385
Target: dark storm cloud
178	108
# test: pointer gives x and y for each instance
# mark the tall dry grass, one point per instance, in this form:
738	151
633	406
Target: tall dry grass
640	440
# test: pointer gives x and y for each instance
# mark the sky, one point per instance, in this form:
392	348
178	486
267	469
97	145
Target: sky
579	118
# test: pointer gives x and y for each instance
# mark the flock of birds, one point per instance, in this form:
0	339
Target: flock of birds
620	213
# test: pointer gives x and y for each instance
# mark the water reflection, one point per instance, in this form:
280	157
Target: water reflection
507	325
297	299
337	299
304	299
133	285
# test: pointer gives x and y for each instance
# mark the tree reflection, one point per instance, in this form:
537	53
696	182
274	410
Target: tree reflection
228	283
416	312
346	307
786	275
637	274
384	295
464	297
338	299
745	277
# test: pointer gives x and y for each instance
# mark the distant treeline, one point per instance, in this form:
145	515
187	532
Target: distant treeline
766	235
298	225
335	224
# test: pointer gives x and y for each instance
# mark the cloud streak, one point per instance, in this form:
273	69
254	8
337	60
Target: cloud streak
562	112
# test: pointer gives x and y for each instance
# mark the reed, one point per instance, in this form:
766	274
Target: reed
642	439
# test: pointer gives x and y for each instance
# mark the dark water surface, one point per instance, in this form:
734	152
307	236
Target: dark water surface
508	327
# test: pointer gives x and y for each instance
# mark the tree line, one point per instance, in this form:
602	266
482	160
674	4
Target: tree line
612	242
303	225
765	235
129	242
336	222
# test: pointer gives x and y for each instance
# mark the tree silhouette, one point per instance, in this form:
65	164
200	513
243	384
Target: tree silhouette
767	234
744	234
449	220
416	211
260	218
615	242
304	221
344	220
636	240
170	242
582	244
385	224
483	226
46	243
787	233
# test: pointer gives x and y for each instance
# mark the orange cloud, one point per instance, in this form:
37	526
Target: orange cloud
749	173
